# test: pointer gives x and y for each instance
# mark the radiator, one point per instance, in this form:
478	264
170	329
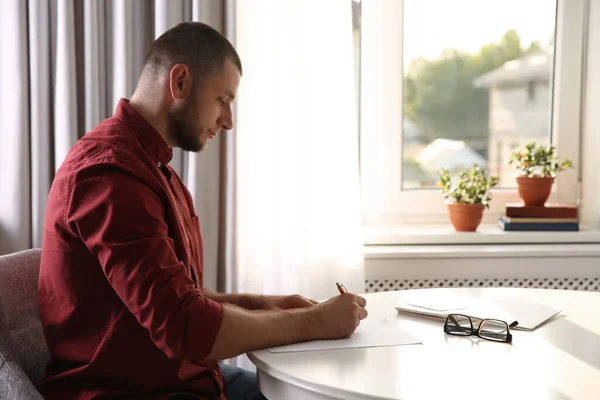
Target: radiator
586	284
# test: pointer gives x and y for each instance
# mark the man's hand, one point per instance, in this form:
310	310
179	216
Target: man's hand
243	330
339	316
286	302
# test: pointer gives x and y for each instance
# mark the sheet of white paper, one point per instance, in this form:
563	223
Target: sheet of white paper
367	334
529	314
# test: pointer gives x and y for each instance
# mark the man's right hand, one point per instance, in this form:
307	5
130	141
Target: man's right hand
244	330
339	316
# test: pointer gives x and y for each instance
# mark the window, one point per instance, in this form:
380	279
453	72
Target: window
446	84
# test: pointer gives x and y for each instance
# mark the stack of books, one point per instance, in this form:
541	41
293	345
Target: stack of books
551	217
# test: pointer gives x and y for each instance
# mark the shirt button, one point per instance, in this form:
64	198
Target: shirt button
216	372
158	164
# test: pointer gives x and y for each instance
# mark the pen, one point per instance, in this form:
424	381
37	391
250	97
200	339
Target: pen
341	288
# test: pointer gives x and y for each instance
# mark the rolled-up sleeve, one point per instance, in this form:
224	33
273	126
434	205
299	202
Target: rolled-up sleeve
122	222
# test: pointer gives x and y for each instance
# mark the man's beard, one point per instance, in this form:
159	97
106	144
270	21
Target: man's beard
183	130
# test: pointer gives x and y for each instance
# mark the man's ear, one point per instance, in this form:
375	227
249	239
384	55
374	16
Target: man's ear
180	81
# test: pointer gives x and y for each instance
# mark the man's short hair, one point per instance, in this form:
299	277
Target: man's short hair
202	48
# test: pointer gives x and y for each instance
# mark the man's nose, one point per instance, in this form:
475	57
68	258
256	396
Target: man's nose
226	122
227	125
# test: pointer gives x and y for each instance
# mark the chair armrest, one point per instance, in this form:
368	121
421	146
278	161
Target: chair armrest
14	384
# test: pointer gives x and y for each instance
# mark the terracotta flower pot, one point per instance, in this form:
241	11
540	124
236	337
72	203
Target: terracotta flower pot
465	217
534	190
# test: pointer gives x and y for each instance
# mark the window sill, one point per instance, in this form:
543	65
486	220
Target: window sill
487	233
481	251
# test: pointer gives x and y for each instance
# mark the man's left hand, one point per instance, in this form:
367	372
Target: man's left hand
286	302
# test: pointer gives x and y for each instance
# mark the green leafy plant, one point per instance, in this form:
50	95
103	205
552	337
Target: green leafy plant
473	186
538	161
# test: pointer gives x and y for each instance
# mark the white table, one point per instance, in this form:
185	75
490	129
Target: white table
559	360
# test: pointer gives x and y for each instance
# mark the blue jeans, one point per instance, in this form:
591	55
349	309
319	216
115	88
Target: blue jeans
241	384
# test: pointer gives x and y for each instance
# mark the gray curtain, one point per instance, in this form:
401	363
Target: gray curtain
64	65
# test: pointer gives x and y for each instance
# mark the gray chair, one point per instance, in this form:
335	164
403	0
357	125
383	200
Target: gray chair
23	351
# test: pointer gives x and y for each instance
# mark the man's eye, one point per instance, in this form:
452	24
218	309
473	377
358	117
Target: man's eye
222	101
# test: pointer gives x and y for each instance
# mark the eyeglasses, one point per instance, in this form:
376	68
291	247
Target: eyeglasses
489	329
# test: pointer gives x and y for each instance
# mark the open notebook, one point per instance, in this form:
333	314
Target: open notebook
528	314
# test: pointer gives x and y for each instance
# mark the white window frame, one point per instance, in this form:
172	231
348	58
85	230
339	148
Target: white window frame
385	204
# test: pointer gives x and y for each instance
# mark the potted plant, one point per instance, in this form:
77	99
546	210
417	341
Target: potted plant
537	166
467	200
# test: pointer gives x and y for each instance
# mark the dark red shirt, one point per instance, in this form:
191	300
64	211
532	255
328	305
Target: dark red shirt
121	280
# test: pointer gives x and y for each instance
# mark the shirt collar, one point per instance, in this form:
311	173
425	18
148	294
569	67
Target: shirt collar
153	142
